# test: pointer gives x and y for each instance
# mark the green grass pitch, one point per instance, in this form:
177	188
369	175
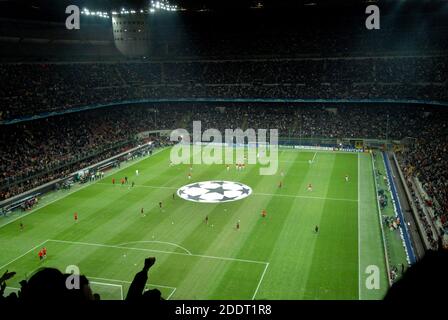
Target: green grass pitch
278	257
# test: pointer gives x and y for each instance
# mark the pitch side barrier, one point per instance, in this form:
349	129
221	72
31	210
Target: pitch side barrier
223	100
403	226
15	202
328	147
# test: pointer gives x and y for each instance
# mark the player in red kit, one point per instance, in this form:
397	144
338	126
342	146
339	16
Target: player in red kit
76	217
41	255
44	252
238	225
263	213
113	180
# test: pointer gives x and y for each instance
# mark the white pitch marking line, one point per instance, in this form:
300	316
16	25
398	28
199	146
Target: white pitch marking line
293	161
261	279
320	151
372	160
304	197
34	270
171	294
22	255
106	284
154	241
129	282
111	285
141	185
255	193
314	157
160	251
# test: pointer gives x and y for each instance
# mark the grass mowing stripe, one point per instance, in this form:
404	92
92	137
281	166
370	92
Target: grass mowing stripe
255	240
284	240
333	272
223	236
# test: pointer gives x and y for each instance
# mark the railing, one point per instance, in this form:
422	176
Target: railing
437	226
411	202
53	184
18	180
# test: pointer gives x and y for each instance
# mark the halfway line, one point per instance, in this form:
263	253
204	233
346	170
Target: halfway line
255	193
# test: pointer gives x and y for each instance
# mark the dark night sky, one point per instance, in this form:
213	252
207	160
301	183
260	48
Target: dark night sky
54	9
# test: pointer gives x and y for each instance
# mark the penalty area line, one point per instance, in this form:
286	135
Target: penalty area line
171	294
314	157
158	251
129	282
155	241
261	280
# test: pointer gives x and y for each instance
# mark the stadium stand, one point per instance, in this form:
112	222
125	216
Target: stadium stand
68	103
39	88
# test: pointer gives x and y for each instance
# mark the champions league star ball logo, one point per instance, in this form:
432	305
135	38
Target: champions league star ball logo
214	191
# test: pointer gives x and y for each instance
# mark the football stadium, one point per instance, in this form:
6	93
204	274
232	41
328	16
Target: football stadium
194	150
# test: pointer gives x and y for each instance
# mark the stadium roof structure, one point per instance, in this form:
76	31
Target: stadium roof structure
54	9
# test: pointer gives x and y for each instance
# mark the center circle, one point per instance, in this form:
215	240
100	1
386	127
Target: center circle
214	191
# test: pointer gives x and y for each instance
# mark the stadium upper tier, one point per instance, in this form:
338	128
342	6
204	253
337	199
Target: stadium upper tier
246	35
36	88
